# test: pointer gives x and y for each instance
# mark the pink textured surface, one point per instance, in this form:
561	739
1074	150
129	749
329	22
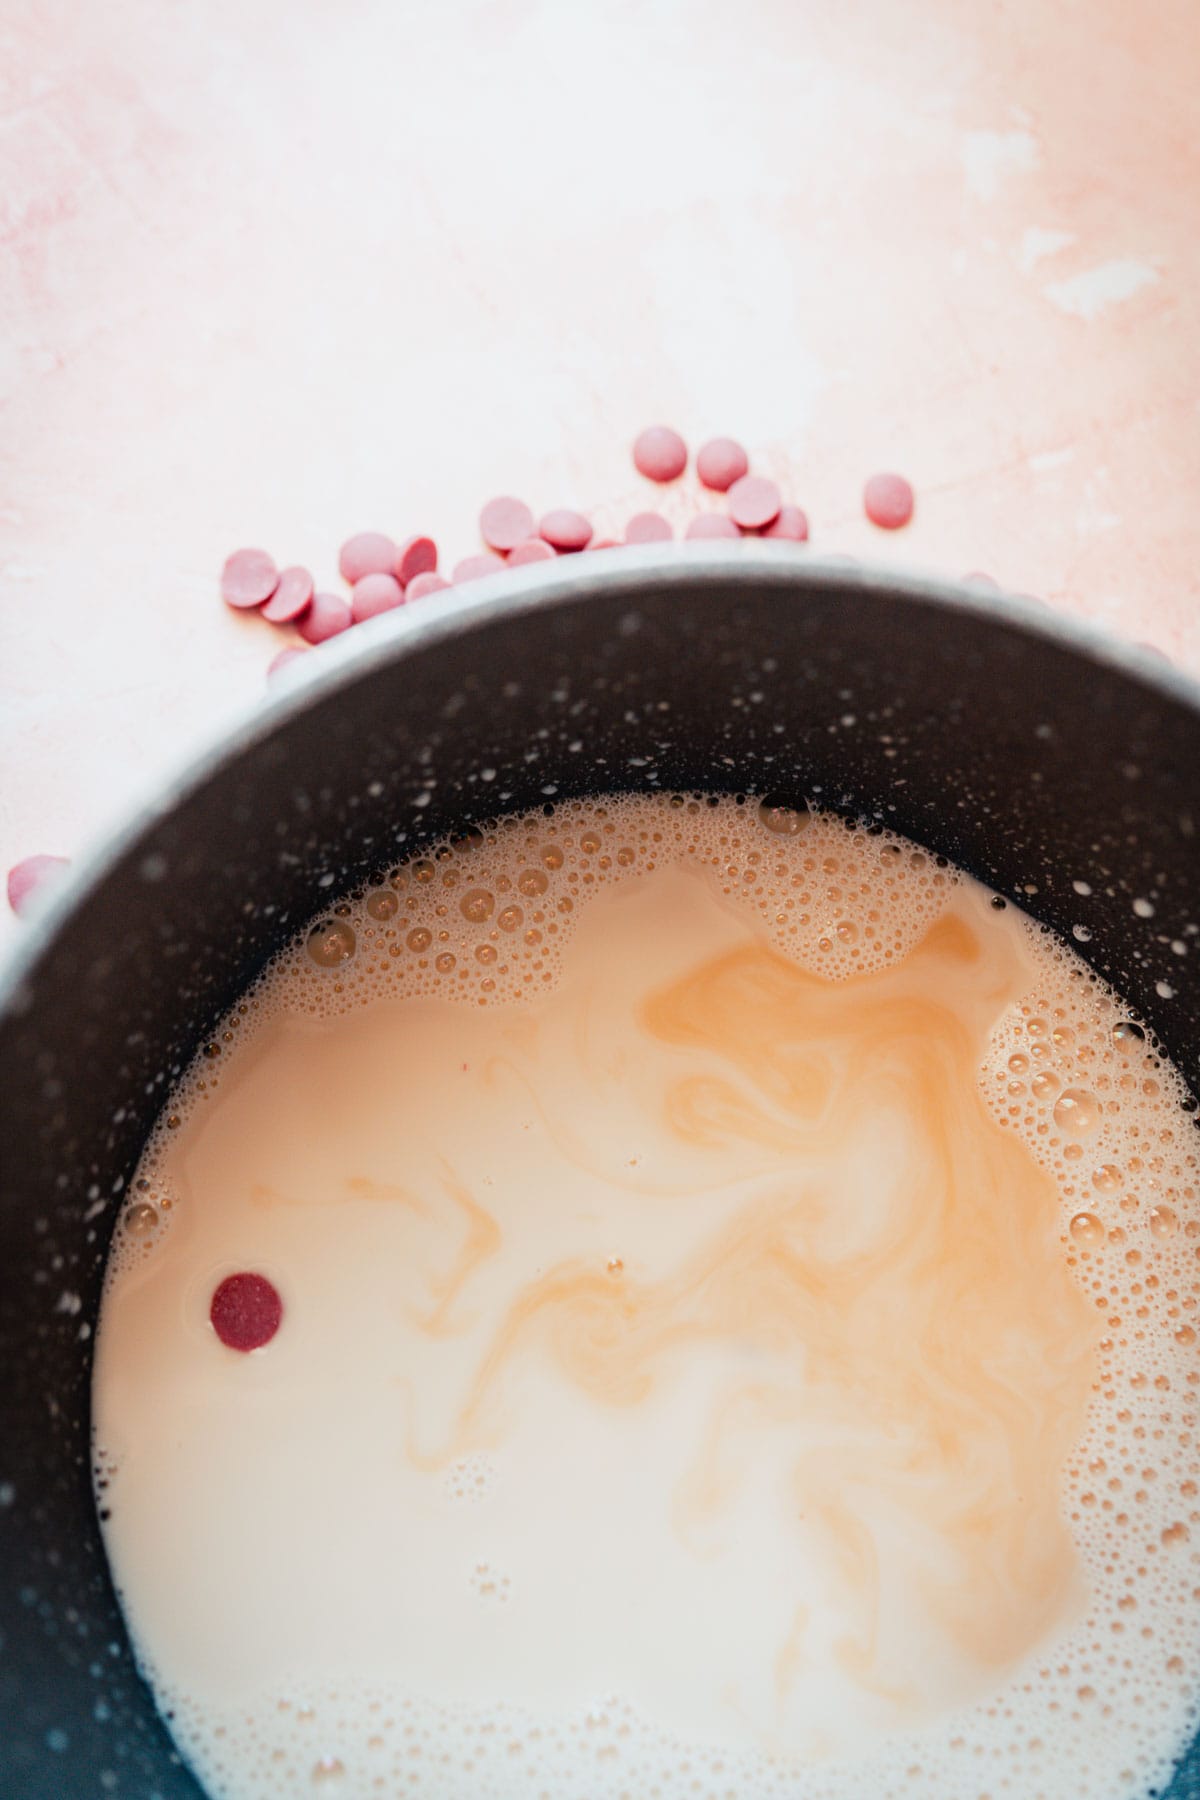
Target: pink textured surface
908	245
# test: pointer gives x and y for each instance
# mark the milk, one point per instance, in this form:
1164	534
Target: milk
739	1286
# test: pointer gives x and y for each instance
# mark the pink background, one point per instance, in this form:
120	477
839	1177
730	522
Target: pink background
276	272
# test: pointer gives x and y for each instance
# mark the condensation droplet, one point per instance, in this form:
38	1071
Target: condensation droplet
477	905
1087	1230
383	904
419	938
1163	1222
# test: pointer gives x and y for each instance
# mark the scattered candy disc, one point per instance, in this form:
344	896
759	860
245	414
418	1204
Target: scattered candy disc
327	615
647	528
792	523
605	544
249	578
720	463
29	879
368	553
531	550
566	530
472	567
977	578
888	501
754	502
660	453
712	525
282	658
375	594
427	582
291	598
416	556
246	1310
504	523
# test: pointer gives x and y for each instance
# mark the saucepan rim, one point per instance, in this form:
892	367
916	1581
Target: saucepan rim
513	594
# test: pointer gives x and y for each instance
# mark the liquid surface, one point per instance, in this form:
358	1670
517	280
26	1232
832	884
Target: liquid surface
739	1295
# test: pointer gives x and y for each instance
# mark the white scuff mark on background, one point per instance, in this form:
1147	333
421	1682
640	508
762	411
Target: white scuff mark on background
1086	295
1038	242
1051	459
990	157
1093	516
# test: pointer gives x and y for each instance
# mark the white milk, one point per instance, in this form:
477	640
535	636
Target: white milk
739	1339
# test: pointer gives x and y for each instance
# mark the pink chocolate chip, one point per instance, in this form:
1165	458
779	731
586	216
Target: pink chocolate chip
325	618
531	550
888	501
292	598
792	523
246	1311
427	582
32	879
712	525
566	530
249	578
416	556
659	453
647	528
754	502
504	523
472	567
605	544
282	658
375	594
720	463
368	553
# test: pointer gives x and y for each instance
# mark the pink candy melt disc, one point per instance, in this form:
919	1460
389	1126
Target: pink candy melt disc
28	881
428	582
246	1311
660	453
754	502
367	553
504	523
888	501
712	525
249	578
647	528
327	615
720	463
292	598
566	530
375	594
416	556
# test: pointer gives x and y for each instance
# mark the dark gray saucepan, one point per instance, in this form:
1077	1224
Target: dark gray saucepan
1025	747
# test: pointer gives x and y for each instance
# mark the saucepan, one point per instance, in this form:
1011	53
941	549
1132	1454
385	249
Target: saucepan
1026	747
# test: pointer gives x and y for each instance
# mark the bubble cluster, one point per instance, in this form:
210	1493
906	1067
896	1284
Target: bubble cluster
483	920
485	917
470	1478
